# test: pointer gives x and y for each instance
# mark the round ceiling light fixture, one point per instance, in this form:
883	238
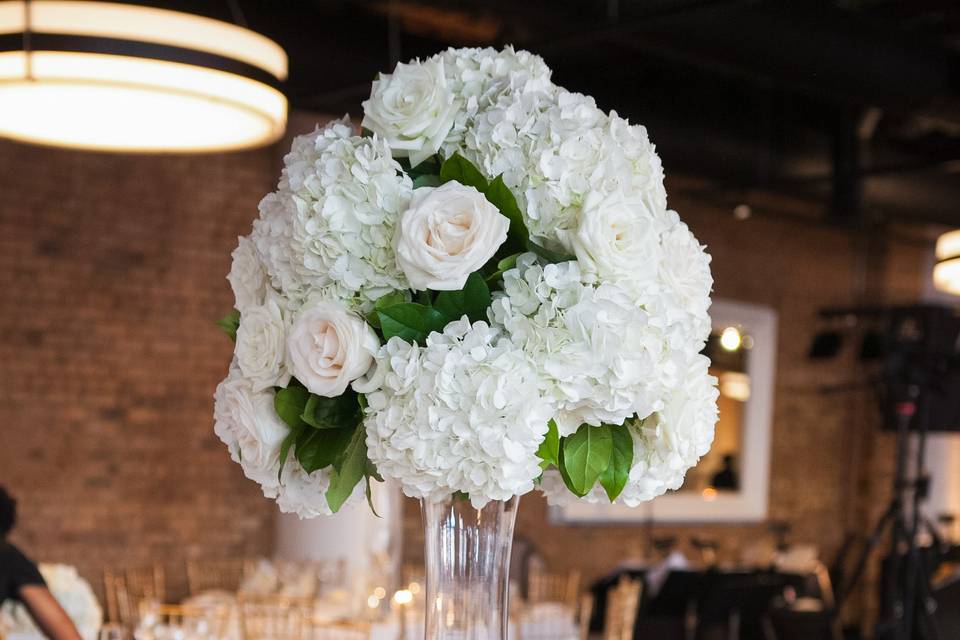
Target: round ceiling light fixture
119	77
946	273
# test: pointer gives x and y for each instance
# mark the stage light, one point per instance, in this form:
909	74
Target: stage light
946	273
730	339
117	77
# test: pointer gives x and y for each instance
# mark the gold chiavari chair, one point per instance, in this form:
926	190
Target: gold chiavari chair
275	618
584	615
623	600
126	589
189	621
216	575
554	587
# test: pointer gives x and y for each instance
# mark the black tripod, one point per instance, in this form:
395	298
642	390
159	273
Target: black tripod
907	600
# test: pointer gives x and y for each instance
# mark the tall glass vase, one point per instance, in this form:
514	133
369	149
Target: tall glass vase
468	568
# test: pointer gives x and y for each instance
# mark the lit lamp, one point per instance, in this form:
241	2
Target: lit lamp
946	273
109	76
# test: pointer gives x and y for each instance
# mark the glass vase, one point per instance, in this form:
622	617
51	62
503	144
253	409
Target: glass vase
468	568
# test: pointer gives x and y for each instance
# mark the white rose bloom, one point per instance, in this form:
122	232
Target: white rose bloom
328	347
329	228
464	413
665	445
246	421
247	276
261	346
71	592
305	494
412	109
447	233
617	240
603	359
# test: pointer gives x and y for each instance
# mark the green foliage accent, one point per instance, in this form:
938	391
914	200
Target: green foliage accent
614	477
550	255
458	168
429	167
369	492
549	451
319	448
392	298
518	237
230	323
472	301
426	180
462	496
290	403
348	469
285	447
586	455
332	413
410	321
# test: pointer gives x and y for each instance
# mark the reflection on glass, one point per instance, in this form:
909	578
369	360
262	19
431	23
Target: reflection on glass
719	470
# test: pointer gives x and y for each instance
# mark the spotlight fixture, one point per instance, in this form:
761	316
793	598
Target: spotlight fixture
120	77
946	273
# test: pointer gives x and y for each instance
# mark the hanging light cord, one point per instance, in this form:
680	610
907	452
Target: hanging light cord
238	18
27	39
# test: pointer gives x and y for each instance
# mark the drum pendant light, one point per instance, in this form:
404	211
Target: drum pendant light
119	77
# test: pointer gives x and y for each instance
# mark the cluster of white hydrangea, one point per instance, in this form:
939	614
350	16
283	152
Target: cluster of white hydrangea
71	591
463	413
328	229
665	444
603	359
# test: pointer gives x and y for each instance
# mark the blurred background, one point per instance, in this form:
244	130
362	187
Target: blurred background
814	147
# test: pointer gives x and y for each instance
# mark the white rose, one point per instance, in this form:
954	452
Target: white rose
248	424
247	277
261	346
616	239
447	233
328	347
413	109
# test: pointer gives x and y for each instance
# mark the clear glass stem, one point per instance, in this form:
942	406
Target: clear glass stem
468	568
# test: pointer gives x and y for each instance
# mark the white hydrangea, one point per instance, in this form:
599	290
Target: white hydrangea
71	592
463	413
603	359
665	444
328	229
686	285
553	147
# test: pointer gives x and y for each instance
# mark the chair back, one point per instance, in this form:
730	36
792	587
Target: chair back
216	575
554	587
125	589
623	601
275	618
176	620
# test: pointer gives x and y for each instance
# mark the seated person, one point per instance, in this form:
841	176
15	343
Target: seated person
21	580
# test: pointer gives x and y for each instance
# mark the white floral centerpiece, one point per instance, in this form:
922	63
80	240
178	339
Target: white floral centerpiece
480	293
74	595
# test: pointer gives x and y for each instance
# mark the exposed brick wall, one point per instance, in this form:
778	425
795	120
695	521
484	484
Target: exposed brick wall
111	274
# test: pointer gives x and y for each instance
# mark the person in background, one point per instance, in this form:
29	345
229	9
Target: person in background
726	479
21	580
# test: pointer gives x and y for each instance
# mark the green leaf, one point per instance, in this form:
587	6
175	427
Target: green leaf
502	267
472	301
500	196
458	168
369	493
388	300
426	180
614	477
410	321
285	448
550	255
566	477
586	454
319	448
430	166
290	403
332	413
230	323
348	469
549	451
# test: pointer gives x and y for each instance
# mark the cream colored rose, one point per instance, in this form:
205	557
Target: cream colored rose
247	276
328	347
413	109
446	234
616	239
261	346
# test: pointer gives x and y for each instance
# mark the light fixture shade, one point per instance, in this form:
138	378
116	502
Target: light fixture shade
107	76
946	273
